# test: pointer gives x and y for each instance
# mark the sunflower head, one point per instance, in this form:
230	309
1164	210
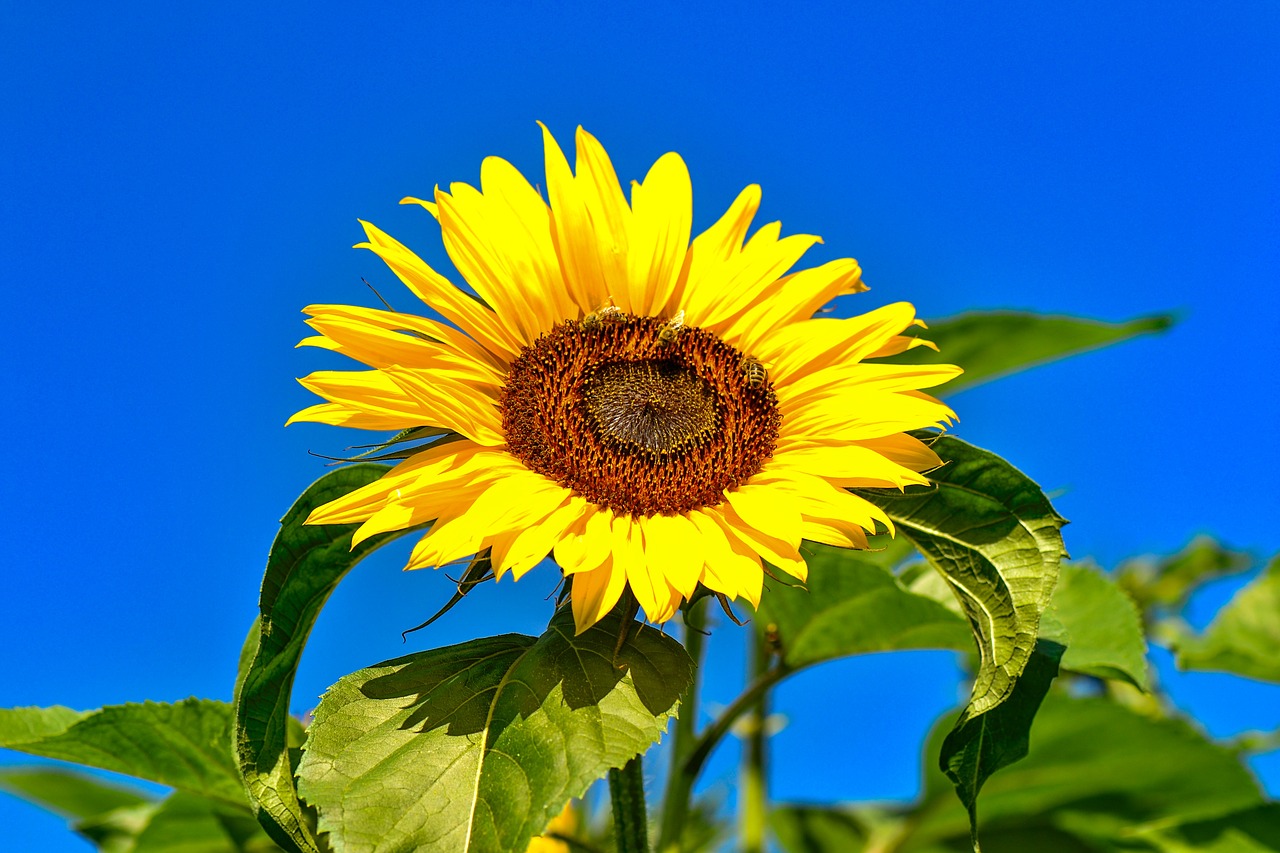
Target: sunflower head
657	413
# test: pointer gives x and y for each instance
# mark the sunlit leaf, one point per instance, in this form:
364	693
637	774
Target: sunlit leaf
852	604
1105	631
1244	638
186	745
991	344
475	747
305	565
993	535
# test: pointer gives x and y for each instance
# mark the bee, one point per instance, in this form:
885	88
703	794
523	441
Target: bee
606	313
754	371
667	331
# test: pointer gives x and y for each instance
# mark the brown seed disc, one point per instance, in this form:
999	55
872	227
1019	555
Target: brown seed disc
635	423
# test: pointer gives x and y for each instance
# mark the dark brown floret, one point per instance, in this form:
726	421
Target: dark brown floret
636	424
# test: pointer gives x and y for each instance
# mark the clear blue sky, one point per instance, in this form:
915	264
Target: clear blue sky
179	181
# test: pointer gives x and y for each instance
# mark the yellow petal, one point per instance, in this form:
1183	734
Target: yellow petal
646	581
712	250
798	349
595	593
672	543
662	218
434	289
459	406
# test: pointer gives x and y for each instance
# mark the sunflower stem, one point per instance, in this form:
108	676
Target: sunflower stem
630	820
708	740
675	799
753	811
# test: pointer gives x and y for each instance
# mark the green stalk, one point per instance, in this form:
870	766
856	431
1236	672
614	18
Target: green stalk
675	800
630	820
753	813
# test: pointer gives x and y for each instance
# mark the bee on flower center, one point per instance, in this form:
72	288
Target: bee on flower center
606	313
668	331
754	371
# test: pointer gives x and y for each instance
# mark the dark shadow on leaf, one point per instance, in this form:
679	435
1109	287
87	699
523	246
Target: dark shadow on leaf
495	681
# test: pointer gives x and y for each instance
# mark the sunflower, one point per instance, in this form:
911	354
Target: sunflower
654	412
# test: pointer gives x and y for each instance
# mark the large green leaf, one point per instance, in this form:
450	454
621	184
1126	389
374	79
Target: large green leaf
1095	770
1166	582
475	747
993	535
991	344
1244	638
305	565
1102	624
186	745
1254	830
182	823
69	793
817	829
853	604
979	746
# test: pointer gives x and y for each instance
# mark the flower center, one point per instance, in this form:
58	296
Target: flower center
639	415
654	406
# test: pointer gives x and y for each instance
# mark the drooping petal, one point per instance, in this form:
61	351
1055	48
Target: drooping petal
595	593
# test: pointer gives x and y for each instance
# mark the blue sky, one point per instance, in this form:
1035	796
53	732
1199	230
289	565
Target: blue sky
180	181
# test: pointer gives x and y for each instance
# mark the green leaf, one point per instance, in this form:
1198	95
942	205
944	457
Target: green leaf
810	829
475	747
1255	830
991	344
1105	631
305	565
1095	769
1245	635
186	745
1166	583
993	535
979	746
183	823
852	604
67	792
